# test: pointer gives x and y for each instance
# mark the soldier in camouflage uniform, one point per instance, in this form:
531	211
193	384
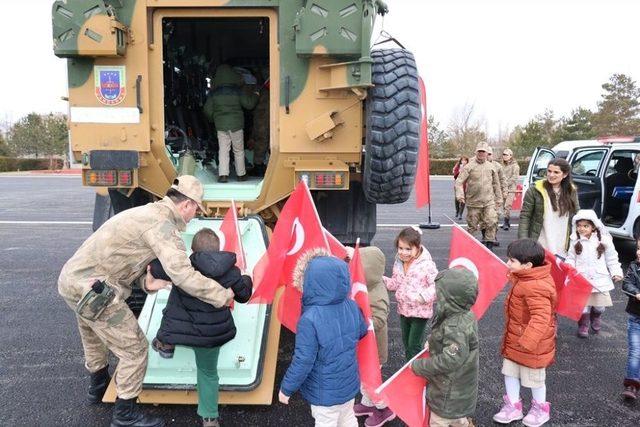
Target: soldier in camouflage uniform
118	254
511	174
259	141
482	191
503	188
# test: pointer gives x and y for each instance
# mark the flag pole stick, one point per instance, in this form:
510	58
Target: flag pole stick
429	225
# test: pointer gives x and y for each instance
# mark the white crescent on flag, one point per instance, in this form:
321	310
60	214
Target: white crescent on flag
298	232
223	240
466	263
358	287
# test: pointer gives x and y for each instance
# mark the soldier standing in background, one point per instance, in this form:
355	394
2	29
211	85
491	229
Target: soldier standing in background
259	141
511	170
482	191
503	188
98	278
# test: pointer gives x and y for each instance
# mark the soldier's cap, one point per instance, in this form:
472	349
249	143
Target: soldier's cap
507	151
191	187
483	146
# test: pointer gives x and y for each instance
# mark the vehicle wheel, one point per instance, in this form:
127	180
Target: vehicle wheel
392	127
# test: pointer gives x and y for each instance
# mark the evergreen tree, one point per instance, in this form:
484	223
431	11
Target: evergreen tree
619	110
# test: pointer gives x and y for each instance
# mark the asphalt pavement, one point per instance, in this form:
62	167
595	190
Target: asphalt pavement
43	220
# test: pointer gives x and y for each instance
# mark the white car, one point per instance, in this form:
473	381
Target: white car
605	171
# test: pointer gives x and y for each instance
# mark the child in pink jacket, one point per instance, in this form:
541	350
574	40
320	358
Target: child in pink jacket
413	281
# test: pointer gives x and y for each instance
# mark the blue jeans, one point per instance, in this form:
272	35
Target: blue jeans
633	342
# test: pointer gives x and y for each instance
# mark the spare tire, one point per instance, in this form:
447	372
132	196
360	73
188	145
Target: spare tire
392	115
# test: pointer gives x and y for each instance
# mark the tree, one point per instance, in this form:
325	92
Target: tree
541	131
464	132
36	135
619	110
577	126
438	138
4	147
26	135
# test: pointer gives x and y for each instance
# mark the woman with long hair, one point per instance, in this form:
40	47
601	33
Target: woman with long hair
548	207
462	161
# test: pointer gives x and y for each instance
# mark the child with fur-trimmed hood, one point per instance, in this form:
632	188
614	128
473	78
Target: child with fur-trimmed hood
592	253
324	367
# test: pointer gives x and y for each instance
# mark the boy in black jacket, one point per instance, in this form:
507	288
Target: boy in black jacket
194	323
631	286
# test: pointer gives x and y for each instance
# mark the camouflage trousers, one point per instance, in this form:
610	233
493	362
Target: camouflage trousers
508	203
484	218
117	330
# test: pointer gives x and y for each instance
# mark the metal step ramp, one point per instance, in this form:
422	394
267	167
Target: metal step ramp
246	364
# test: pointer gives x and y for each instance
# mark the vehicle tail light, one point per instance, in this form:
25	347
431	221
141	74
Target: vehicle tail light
125	177
101	178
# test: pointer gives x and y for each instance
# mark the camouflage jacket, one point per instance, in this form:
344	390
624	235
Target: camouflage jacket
119	252
482	184
511	175
501	176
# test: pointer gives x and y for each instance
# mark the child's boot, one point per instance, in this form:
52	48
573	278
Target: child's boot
595	316
510	411
360	409
164	350
539	413
379	417
631	388
583	326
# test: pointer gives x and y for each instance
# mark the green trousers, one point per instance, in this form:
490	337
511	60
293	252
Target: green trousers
207	376
412	334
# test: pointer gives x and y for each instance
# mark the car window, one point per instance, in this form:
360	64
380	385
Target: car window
587	163
625	162
542	161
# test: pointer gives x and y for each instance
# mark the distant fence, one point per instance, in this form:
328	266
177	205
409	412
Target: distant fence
10	164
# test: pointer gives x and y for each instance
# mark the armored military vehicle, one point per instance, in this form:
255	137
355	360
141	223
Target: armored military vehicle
336	113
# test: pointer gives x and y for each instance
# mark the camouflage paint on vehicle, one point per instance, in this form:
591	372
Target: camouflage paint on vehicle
319	53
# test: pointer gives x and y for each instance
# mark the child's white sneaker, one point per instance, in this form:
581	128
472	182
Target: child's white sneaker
510	411
539	414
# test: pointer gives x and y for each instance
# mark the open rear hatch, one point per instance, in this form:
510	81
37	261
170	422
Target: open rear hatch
246	364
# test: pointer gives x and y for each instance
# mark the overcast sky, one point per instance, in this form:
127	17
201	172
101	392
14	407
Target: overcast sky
511	59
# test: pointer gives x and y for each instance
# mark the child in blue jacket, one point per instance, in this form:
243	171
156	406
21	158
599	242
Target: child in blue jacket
324	367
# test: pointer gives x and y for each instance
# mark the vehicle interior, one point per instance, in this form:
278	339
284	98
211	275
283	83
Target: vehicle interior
192	51
619	182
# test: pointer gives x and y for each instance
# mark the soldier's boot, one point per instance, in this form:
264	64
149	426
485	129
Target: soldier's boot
489	245
127	413
506	224
99	383
484	236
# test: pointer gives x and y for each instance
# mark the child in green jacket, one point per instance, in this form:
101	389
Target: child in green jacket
452	368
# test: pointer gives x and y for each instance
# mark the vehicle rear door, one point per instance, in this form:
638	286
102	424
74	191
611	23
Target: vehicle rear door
537	168
587	169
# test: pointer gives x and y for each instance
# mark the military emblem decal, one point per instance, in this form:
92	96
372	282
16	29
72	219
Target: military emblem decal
110	84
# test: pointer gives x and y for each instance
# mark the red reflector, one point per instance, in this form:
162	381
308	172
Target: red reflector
125	177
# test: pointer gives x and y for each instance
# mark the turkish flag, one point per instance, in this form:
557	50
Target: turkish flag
490	270
297	231
367	351
230	239
423	187
405	393
572	288
336	248
517	201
